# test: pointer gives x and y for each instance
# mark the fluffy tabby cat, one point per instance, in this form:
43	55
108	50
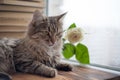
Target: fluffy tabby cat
39	52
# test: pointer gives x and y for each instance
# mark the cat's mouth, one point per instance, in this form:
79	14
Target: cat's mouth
51	44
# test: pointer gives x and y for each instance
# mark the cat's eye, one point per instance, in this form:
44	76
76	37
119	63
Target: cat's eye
45	32
60	34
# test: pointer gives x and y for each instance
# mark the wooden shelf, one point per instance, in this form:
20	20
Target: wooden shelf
78	73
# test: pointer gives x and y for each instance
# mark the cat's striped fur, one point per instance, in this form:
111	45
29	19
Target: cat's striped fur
6	58
39	52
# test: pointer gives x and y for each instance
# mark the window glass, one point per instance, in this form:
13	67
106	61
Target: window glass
100	19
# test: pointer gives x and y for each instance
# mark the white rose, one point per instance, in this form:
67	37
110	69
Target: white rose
74	35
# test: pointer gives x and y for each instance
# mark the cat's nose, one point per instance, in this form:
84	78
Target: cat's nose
52	42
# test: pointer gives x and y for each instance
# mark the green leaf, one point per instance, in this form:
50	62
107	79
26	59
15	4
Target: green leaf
68	50
72	26
82	54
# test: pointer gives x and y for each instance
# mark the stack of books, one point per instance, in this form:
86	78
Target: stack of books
15	16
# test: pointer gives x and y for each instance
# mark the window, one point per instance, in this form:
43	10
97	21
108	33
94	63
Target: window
100	19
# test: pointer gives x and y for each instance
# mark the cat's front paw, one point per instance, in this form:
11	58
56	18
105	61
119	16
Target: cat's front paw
53	73
65	67
47	71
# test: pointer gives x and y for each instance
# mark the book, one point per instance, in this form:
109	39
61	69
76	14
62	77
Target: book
11	21
33	3
12	34
15	14
13	28
16	8
31	0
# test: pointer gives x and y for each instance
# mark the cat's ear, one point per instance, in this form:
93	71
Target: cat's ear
60	17
37	15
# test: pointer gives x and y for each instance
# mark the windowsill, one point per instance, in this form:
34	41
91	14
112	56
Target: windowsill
92	66
80	72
